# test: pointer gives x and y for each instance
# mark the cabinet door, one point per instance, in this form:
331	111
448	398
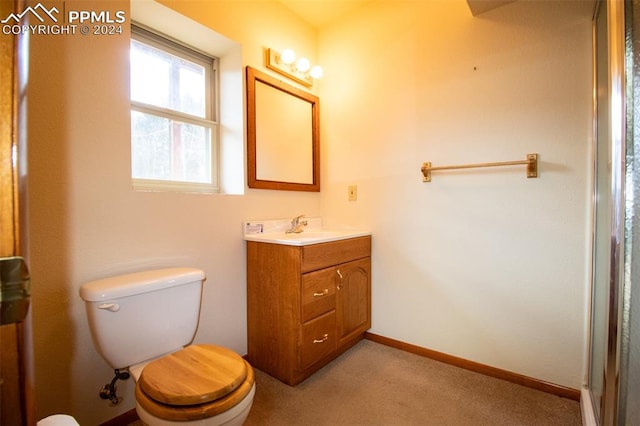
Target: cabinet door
353	299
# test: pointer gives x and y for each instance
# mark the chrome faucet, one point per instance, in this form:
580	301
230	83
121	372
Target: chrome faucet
297	225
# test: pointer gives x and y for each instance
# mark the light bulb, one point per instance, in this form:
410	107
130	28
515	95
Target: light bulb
303	65
287	56
316	71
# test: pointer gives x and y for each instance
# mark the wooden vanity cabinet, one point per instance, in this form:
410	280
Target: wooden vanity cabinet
306	304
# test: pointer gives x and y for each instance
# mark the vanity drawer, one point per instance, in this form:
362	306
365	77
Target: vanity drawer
318	256
318	293
318	339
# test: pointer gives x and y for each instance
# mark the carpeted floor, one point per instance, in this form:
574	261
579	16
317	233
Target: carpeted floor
373	384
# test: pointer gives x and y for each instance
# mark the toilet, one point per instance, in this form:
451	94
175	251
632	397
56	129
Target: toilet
145	322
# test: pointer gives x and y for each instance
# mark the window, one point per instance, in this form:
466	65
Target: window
174	132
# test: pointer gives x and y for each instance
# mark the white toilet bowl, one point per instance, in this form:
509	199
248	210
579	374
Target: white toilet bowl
233	417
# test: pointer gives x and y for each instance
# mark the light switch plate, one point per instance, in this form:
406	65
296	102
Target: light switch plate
353	193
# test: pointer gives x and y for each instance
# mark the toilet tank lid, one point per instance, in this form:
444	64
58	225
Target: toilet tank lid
137	283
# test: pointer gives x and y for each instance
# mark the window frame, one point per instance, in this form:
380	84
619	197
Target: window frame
146	35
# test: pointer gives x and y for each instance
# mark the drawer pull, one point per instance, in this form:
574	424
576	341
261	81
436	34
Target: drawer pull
340	275
321	293
324	339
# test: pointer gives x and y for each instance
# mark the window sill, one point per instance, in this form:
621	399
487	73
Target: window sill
149	185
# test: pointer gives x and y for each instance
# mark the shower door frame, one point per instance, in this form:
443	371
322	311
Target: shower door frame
607	408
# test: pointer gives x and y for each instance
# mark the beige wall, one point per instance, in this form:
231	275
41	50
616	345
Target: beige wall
87	223
481	264
486	265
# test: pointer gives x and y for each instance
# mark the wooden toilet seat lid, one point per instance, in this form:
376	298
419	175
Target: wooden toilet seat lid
183	413
194	375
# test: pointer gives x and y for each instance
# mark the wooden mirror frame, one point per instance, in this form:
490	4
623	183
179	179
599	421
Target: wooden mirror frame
254	76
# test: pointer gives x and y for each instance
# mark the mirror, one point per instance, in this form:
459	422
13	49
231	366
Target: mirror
283	137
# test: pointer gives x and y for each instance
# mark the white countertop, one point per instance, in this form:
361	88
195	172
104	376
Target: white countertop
306	237
274	231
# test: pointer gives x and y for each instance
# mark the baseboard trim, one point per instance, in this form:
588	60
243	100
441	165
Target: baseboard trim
123	419
487	370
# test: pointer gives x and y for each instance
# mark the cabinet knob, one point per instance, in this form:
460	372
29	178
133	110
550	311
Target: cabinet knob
321	293
324	339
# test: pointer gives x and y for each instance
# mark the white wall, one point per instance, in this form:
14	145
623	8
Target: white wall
488	266
481	264
86	222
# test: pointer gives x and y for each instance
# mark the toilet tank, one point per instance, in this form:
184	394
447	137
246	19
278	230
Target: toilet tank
140	316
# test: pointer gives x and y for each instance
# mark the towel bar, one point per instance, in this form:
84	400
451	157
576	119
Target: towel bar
531	162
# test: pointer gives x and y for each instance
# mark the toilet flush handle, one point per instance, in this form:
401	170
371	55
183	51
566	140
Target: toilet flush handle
113	307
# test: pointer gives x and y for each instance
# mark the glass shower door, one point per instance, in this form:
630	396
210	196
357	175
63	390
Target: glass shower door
629	393
614	361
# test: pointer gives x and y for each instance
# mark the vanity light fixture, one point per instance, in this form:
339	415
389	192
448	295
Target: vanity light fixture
299	70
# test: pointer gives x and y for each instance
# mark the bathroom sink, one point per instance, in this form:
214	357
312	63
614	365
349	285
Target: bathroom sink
306	237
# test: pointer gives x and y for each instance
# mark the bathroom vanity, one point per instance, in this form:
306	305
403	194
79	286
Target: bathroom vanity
308	300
